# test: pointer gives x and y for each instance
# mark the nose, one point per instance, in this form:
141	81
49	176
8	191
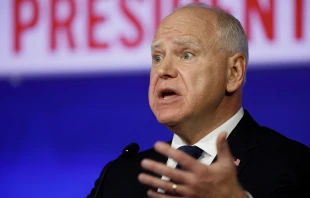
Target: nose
167	69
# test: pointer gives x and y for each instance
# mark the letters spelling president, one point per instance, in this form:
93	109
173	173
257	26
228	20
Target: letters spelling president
199	61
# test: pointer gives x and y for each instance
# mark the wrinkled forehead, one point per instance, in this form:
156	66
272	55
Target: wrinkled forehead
180	41
186	24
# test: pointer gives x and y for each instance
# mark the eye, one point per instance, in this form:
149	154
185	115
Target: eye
157	58
187	55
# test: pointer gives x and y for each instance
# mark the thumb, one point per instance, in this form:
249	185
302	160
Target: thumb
223	152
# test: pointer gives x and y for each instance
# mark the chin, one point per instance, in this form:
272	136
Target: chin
168	119
168	123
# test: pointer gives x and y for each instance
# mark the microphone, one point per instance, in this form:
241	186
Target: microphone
129	151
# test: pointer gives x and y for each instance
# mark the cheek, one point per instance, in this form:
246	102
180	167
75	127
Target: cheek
205	82
153	77
152	86
200	79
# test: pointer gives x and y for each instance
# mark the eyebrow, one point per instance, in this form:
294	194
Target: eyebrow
155	44
179	42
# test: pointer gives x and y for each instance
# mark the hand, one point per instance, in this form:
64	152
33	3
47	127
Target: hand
219	180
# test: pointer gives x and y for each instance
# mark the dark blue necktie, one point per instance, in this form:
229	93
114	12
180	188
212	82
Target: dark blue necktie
193	151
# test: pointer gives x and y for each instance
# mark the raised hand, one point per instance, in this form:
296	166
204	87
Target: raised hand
219	180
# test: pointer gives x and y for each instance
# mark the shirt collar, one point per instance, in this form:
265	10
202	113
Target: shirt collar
208	143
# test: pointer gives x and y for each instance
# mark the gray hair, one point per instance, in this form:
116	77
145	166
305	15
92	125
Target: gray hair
230	33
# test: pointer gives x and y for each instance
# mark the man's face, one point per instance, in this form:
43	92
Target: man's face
188	75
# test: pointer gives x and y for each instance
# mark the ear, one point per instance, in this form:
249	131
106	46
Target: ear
236	72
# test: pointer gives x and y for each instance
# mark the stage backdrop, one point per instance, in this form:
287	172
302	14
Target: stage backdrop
74	78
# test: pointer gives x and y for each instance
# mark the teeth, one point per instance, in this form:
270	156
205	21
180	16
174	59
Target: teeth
167	94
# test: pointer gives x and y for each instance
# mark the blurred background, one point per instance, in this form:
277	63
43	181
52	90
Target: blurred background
74	78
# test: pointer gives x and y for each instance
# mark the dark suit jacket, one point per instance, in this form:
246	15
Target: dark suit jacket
271	165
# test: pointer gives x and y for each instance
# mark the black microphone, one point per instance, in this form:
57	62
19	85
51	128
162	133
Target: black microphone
129	151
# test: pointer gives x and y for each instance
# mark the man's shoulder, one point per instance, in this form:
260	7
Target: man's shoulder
281	153
277	164
249	130
268	137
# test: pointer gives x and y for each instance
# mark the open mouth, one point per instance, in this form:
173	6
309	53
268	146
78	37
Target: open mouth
168	94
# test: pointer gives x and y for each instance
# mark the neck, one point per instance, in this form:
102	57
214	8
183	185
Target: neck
194	129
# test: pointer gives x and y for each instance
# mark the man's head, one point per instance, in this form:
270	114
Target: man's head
199	57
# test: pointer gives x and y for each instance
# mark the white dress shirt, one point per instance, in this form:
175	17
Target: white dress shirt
207	143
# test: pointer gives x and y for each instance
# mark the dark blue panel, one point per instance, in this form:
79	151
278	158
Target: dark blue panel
57	133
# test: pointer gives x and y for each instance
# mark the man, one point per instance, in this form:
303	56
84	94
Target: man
199	58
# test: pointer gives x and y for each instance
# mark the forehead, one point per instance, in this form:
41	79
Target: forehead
178	41
187	26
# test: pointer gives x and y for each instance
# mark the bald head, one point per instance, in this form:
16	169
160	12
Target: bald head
230	34
187	20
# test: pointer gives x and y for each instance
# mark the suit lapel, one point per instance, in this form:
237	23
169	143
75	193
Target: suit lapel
242	140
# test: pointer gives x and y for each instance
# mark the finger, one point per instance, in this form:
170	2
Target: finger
167	186
223	152
153	194
185	160
162	169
